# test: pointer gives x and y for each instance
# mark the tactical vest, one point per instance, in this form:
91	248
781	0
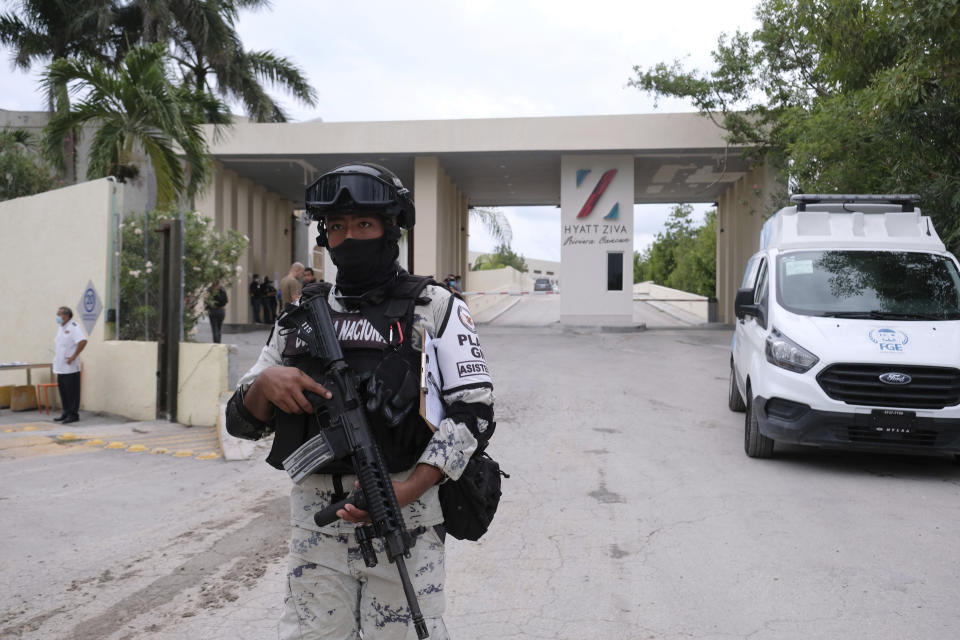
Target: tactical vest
366	337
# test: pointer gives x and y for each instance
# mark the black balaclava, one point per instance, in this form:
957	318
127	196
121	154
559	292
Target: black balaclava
364	265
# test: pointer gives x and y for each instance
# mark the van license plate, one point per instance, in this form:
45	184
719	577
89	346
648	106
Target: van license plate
892	421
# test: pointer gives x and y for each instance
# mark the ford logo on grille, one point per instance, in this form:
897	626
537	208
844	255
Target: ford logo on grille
895	378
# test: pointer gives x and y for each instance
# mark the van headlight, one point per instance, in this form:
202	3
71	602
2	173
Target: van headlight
787	354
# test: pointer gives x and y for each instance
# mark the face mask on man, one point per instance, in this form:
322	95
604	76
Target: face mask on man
59	319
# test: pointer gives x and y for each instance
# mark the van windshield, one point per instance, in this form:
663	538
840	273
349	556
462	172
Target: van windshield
897	285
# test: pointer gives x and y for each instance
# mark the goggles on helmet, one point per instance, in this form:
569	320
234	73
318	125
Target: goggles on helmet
360	186
335	189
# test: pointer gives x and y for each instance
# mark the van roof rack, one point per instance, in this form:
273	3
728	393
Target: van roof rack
905	200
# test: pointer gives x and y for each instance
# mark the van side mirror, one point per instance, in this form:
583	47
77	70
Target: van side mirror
743	304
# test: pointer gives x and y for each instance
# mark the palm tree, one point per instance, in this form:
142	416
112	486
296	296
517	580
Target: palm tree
496	223
42	30
135	106
210	55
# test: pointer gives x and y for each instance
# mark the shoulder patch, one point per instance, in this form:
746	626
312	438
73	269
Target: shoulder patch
466	319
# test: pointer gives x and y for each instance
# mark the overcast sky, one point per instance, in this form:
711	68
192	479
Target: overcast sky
384	60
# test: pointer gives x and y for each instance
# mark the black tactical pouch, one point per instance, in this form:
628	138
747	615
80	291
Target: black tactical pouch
470	503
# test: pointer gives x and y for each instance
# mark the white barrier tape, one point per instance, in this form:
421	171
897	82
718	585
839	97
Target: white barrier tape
502	293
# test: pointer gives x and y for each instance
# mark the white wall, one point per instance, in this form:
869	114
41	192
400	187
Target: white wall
683	300
586	242
491	281
51	246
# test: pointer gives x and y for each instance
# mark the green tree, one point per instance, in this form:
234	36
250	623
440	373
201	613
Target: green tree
22	172
683	255
696	260
504	256
210	257
135	106
640	260
661	259
848	96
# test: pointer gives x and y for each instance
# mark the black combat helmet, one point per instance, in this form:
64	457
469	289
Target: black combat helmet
358	187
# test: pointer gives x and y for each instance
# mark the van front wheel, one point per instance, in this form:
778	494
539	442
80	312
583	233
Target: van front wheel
755	443
734	399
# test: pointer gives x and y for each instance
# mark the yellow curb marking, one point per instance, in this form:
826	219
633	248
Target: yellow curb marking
186	453
9	430
95	441
134	448
115	445
208	456
67	437
175	440
159	450
29	428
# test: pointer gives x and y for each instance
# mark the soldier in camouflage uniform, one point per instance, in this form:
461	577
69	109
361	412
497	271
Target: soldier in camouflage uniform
380	314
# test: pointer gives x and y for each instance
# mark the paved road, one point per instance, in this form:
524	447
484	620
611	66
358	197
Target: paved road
631	512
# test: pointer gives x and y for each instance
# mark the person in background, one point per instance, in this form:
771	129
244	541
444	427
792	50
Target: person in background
452	281
308	276
268	300
255	297
291	284
215	303
70	341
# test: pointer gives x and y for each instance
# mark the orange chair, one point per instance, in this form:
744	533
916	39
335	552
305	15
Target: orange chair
45	386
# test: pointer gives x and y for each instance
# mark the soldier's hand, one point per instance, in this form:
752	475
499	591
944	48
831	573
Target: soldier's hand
420	479
284	387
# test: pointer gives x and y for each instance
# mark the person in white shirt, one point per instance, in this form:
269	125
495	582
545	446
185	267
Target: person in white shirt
69	343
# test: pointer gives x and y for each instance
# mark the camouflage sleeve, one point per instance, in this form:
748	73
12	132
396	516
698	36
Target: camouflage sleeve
466	385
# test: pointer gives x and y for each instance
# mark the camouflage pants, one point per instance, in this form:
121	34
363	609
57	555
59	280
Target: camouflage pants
332	594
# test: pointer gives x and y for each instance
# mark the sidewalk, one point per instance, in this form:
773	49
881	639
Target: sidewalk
35	431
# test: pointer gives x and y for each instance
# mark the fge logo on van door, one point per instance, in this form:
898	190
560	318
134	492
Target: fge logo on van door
889	339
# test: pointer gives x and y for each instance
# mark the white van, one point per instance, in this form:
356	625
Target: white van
848	330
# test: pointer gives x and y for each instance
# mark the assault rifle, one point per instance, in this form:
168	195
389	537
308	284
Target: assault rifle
349	435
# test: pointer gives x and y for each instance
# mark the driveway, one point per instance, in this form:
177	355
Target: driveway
631	512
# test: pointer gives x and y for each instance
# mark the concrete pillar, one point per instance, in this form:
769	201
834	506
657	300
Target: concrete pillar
426	194
238	203
440	233
269	238
207	200
216	191
464	243
262	235
593	247
741	212
239	311
226	218
450	221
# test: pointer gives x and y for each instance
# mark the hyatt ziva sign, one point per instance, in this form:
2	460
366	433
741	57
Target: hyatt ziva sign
596	203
